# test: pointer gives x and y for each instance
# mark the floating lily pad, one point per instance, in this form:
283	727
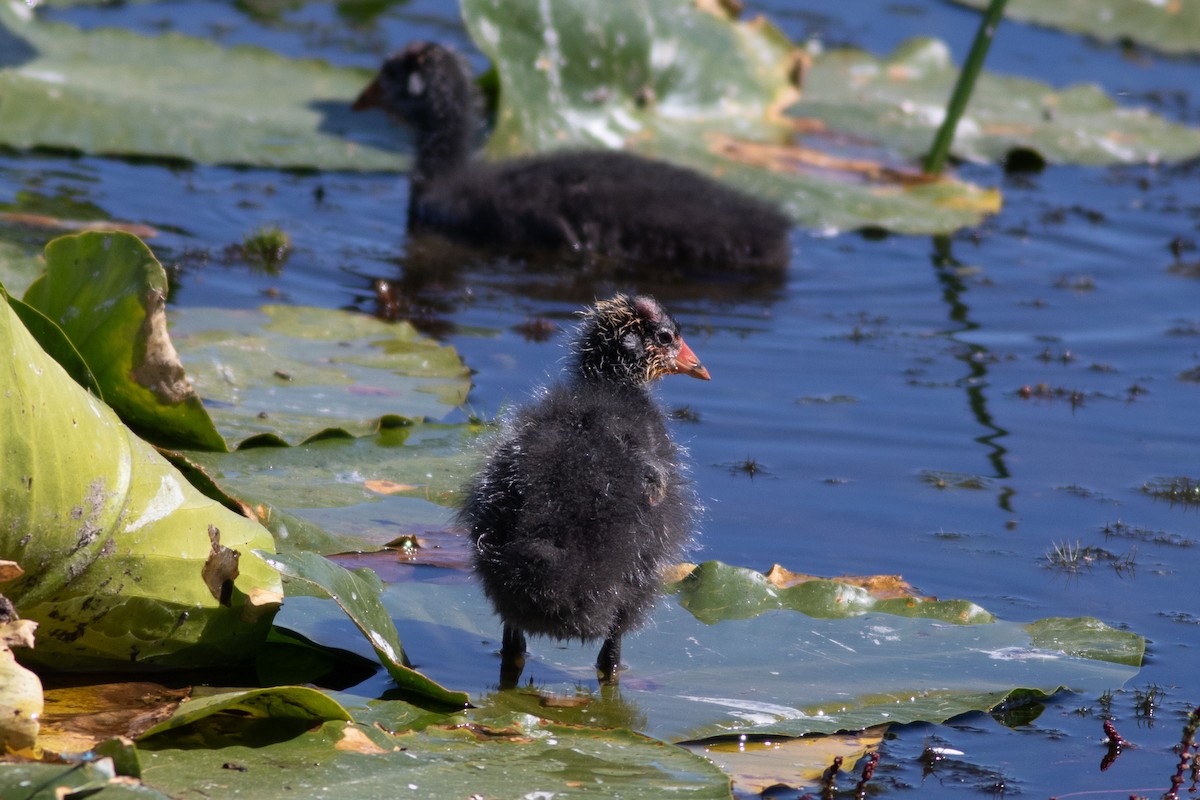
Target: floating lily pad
526	757
682	81
899	101
1172	27
292	371
780	672
116	92
126	565
335	483
97	780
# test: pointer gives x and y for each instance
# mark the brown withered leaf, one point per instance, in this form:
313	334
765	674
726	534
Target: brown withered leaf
756	765
77	717
882	587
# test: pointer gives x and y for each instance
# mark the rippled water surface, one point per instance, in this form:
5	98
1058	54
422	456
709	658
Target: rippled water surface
951	411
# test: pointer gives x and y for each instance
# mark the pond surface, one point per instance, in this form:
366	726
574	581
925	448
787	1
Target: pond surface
953	411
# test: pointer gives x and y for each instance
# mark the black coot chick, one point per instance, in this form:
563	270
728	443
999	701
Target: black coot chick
610	204
582	501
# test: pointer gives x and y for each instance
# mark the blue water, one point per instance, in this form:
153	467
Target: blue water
878	388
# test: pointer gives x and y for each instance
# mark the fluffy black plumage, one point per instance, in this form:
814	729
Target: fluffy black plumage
607	203
582	501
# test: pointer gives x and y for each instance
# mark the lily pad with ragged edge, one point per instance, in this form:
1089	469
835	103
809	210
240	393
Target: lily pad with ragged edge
107	293
1171	27
126	565
114	92
291	371
899	100
682	81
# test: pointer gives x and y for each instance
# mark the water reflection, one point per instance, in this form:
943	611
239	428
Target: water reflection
976	357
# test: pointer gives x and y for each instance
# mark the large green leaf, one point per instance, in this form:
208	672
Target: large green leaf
291	371
779	672
1172	27
108	294
899	100
126	565
116	92
526	757
679	81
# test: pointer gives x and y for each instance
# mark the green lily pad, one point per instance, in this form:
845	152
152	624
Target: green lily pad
714	592
779	672
126	565
527	757
107	292
277	703
678	81
116	92
358	594
97	780
899	100
1169	27
367	490
292	371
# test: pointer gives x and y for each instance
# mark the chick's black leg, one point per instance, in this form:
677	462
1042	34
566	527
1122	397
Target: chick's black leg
608	663
512	657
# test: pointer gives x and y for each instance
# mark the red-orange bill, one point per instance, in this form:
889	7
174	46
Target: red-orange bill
686	363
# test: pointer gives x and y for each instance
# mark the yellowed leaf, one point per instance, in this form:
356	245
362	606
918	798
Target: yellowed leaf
389	487
757	765
355	741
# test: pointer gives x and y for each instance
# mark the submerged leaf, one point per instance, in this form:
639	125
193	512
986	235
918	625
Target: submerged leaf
358	594
775	672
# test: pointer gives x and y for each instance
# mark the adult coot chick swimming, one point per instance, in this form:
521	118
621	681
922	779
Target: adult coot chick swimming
605	203
582	501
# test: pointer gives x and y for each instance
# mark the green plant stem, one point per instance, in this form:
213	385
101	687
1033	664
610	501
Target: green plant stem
963	88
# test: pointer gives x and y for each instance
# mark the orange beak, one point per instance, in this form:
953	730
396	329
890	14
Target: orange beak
686	363
370	97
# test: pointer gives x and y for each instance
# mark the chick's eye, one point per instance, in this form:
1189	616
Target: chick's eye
664	337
